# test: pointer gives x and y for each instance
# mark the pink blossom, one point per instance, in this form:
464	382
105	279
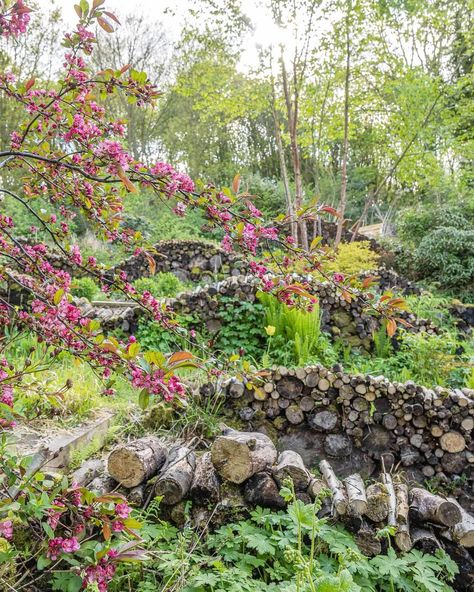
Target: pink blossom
338	277
6	529
122	510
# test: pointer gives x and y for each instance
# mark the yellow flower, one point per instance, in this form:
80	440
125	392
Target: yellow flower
270	330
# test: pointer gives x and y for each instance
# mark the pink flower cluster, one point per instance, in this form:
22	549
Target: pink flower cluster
15	22
6	529
115	152
156	383
176	181
60	545
102	573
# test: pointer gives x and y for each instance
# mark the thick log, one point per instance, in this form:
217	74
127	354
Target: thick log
325	420
239	455
355	490
378	502
425	540
205	487
136	495
262	490
339	500
464	580
452	442
177	475
290	464
403	536
315	487
427	507
135	462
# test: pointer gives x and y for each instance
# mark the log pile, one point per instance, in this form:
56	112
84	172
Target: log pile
244	469
188	259
341	319
339	416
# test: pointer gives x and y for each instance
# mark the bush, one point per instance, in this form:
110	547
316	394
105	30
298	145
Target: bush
446	255
84	288
353	258
414	224
161	285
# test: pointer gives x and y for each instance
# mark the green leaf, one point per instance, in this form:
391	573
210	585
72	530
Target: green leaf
144	398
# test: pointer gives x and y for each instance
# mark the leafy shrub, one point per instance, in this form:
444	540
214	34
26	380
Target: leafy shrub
242	327
161	285
153	336
413	224
353	258
446	255
84	287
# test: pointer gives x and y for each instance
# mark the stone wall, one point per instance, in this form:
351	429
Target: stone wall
358	421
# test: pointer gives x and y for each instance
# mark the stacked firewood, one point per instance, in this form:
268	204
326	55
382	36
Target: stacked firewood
189	259
342	319
399	423
243	469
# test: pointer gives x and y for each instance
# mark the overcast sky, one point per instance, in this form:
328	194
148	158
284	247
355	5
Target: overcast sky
266	32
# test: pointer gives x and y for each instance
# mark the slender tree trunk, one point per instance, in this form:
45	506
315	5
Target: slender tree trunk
345	148
290	206
358	224
292	112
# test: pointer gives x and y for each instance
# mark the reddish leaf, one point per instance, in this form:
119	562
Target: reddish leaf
151	263
112	16
106	531
105	24
368	281
236	183
391	327
330	210
29	84
97	3
126	181
180	356
78	10
346	296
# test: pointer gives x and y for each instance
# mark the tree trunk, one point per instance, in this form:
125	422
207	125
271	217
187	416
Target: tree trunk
345	145
239	455
292	113
290	206
137	461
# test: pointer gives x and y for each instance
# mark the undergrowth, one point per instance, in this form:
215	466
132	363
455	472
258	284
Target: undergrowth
290	551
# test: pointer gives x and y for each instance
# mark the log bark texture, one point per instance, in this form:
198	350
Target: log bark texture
239	455
176	477
135	462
